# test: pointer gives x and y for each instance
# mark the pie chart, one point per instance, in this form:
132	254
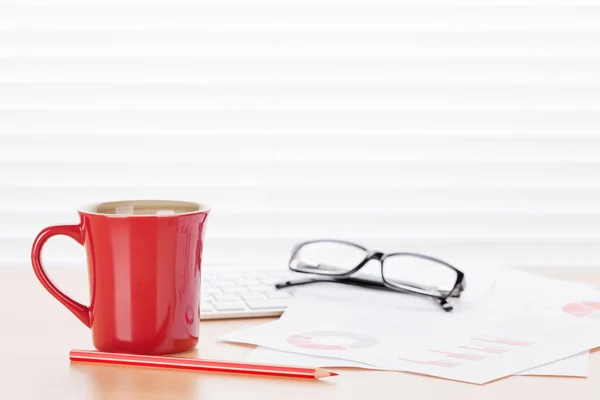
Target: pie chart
332	340
582	309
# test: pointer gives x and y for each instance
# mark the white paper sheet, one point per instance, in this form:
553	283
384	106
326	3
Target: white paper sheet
517	325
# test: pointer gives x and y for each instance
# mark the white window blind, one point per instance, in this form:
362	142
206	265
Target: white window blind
467	130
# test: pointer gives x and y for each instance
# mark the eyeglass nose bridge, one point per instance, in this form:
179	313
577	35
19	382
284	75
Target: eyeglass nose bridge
375	255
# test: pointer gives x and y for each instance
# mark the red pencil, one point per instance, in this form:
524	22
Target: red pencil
198	365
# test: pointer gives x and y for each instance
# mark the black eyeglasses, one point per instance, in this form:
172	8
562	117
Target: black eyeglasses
338	261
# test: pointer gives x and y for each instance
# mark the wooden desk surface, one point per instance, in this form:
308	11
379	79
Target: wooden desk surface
37	333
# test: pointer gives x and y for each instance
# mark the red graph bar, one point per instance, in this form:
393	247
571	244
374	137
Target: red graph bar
503	341
443	363
495	350
447	364
464	356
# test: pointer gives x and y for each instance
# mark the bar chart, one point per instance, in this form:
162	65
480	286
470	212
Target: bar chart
477	348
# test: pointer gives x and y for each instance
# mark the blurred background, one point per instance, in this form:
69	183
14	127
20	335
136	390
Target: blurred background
467	130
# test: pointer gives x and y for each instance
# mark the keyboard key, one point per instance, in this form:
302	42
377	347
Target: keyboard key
252	296
233	289
271	280
266	304
230	305
247	282
261	288
280	274
221	283
206	307
278	295
221	297
253	274
228	275
209	290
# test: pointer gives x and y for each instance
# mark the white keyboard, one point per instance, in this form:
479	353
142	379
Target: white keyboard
229	292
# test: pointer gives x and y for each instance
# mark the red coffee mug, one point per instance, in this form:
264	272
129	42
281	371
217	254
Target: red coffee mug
144	260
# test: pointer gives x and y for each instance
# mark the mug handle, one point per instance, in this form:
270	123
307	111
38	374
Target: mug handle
73	231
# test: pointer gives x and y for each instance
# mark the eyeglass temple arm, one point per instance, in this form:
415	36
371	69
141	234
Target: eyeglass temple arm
297	282
456	292
351	281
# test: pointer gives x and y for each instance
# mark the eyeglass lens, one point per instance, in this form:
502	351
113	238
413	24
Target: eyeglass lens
420	274
327	258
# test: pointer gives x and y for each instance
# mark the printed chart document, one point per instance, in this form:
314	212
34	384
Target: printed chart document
509	323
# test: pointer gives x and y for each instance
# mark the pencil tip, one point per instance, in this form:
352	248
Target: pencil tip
333	374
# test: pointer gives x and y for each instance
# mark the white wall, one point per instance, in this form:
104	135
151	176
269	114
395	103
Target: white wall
463	129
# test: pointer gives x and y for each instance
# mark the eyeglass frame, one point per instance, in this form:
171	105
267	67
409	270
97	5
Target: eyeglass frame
347	278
